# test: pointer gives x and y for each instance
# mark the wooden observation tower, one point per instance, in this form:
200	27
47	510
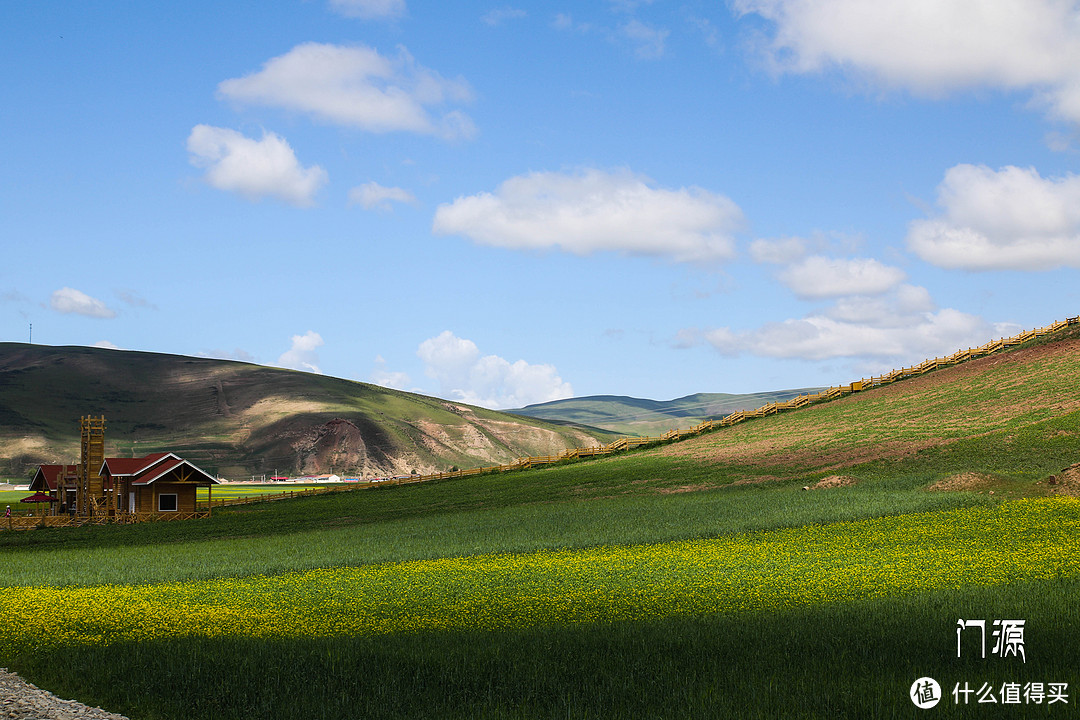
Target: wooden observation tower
90	496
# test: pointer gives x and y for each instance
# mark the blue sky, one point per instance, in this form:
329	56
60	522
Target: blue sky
513	203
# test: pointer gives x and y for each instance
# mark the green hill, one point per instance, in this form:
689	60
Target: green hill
238	419
636	416
803	564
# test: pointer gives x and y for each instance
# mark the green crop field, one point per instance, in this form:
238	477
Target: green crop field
708	578
9	497
236	491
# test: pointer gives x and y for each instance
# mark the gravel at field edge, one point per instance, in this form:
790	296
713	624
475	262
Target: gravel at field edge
19	700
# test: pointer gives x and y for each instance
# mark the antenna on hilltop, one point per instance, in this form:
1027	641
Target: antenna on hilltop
31	333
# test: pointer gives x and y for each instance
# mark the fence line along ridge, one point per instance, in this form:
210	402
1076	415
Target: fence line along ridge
628	443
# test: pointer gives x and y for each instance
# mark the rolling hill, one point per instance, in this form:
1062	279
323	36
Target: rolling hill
824	551
636	416
238	419
1005	420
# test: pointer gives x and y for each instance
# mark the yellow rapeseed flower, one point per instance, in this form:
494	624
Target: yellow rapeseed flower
1020	540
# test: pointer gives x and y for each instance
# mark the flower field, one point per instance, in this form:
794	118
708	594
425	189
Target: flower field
1017	541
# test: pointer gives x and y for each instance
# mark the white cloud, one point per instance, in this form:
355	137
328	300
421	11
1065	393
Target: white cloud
357	87
687	338
500	15
821	277
935	46
369	9
489	380
107	345
71	301
302	355
649	41
373	196
905	306
592	211
780	252
253	168
901	330
1010	219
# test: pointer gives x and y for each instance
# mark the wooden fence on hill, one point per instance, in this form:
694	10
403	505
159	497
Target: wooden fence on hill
629	443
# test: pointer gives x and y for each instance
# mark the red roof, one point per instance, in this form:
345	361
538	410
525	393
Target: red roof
51	475
146	470
131	466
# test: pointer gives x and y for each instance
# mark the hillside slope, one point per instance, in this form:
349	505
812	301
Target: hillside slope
1007	404
238	419
637	416
1005	422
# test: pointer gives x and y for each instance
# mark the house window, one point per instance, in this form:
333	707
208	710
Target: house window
166	502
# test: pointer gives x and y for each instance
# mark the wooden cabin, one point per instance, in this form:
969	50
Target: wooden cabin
59	481
100	489
157	483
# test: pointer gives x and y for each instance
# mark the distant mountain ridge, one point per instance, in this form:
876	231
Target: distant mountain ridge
236	419
637	416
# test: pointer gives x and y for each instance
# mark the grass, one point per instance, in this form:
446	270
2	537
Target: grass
523	512
815	621
416	524
734	573
236	492
11	497
853	660
843	660
600	588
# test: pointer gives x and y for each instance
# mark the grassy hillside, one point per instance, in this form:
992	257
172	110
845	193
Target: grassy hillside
238	419
696	579
636	416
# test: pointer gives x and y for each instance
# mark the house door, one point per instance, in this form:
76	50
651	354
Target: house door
131	501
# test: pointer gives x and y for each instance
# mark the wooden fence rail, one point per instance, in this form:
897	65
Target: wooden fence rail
31	522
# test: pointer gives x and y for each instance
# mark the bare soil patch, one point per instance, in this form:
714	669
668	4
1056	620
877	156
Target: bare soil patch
965	481
1067	482
834	481
683	489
